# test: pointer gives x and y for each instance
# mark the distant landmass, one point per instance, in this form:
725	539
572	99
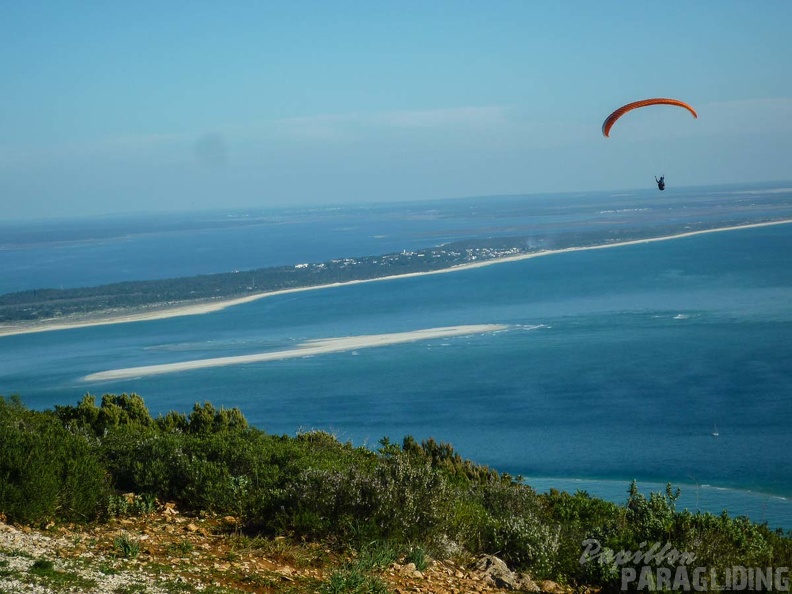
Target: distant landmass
48	305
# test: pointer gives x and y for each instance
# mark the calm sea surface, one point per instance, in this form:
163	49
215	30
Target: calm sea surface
616	364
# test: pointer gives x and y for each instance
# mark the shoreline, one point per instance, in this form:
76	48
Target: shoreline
100	319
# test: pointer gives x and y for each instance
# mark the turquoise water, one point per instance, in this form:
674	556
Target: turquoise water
616	364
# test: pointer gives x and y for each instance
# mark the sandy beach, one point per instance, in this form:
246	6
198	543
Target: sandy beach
305	349
103	318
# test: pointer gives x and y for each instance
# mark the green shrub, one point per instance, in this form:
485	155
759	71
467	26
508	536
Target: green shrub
527	542
144	461
45	573
207	419
441	456
651	519
468	524
377	555
173	422
29	481
580	517
356	577
412	499
126	547
130	504
125	410
42	566
181	548
321	503
72	463
45	469
352	580
417	556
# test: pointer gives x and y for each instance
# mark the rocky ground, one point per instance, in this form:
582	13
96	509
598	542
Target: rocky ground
166	552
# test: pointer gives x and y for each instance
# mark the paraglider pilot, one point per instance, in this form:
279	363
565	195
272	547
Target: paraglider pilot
660	182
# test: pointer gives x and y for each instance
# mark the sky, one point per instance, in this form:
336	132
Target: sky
114	107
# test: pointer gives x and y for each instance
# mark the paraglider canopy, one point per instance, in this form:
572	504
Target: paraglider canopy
611	119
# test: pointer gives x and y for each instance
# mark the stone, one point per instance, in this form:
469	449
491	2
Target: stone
496	572
525	583
551	587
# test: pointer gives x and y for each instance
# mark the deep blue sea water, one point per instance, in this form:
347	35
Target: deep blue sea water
616	364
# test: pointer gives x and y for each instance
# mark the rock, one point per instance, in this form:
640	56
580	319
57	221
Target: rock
286	573
192	527
496	572
525	583
551	587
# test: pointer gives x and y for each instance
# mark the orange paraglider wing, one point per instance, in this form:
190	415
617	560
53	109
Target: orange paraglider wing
611	119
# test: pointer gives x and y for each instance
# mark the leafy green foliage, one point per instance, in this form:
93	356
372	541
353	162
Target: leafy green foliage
351	580
377	554
402	501
357	577
126	547
42	566
45	469
418	557
130	504
44	572
126	410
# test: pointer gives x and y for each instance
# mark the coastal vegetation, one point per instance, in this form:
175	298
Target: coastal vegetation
407	502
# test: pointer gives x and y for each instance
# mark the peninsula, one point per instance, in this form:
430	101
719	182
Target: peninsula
57	309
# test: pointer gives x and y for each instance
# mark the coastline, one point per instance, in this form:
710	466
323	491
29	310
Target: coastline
190	309
759	506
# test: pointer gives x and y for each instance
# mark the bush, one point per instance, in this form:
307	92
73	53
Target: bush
417	556
46	470
126	410
126	547
207	419
352	580
580	517
71	463
527	542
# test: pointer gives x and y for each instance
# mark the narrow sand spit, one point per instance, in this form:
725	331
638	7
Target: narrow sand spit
103	319
306	349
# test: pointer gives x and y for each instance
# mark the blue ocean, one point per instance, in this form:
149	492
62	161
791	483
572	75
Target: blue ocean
668	361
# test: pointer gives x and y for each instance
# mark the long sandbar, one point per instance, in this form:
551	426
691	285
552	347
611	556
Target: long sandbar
204	308
306	349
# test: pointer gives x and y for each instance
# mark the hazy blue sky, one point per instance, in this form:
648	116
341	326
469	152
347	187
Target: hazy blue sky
127	106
